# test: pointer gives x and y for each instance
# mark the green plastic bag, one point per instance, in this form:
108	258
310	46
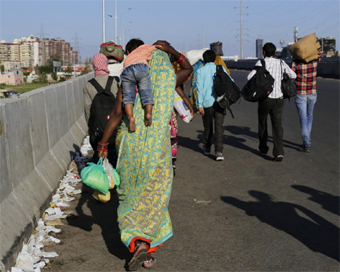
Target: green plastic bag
116	176
95	176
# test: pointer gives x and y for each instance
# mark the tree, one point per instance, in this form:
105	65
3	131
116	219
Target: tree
88	66
68	70
48	68
54	76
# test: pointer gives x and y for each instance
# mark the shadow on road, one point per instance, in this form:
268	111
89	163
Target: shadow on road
104	215
247	133
315	232
328	201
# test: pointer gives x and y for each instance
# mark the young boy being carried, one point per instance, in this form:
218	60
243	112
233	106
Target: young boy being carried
136	74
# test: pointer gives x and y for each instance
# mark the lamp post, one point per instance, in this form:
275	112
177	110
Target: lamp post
103	21
116	25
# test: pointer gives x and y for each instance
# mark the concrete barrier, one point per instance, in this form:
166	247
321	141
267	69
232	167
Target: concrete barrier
38	132
328	67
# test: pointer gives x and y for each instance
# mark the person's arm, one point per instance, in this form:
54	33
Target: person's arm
186	100
253	72
188	79
115	118
294	66
200	90
186	68
289	71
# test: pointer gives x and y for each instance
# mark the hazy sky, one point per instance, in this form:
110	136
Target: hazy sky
185	24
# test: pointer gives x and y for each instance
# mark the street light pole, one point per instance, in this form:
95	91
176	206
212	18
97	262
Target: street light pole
104	21
116	26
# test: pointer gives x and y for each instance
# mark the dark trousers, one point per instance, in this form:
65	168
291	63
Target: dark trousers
274	108
213	116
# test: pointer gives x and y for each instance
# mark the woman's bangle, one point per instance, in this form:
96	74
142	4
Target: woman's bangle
181	59
102	149
103	144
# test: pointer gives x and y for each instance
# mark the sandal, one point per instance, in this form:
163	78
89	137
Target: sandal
139	257
149	263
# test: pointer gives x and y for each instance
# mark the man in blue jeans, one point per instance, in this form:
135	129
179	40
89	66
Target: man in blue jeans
306	97
212	113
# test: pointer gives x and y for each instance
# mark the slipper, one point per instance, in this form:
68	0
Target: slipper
138	258
149	263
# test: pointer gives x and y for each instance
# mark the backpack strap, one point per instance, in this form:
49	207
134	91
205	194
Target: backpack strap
263	63
109	84
96	85
110	81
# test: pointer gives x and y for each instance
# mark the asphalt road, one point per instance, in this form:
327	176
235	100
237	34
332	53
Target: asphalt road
246	213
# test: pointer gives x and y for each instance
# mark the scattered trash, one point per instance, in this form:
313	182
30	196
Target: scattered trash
204	202
86	147
32	257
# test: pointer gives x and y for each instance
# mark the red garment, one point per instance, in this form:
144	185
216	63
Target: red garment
100	65
306	75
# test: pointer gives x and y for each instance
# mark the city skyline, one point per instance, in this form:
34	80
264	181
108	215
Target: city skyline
186	25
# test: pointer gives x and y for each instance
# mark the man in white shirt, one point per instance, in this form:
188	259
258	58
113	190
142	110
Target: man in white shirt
273	104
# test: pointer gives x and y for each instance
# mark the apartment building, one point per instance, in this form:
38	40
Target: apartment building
34	51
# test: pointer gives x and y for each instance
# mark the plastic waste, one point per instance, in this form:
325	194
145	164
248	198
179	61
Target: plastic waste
94	176
182	108
86	147
32	257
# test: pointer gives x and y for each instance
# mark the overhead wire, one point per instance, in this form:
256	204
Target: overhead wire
314	27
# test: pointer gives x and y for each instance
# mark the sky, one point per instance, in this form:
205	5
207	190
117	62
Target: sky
187	25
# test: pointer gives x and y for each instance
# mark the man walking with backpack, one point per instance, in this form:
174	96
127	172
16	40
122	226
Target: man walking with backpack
213	114
273	104
99	99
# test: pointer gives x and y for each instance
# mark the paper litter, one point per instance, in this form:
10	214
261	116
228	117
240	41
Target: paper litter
32	257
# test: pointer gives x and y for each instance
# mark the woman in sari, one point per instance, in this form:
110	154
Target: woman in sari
144	165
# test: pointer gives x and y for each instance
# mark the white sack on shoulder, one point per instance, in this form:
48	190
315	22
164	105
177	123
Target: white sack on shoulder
194	56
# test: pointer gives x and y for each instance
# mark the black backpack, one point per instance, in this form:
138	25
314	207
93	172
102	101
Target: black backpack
259	86
227	91
288	85
101	108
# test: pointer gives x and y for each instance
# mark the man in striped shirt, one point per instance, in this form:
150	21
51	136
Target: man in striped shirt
306	97
273	104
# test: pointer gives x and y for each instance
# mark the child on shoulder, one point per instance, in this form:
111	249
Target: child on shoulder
136	74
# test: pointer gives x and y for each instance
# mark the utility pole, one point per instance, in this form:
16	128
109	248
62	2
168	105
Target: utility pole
116	25
104	21
241	29
295	35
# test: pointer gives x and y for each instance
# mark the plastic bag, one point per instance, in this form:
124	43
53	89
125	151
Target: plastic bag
94	176
113	176
182	108
109	172
102	197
